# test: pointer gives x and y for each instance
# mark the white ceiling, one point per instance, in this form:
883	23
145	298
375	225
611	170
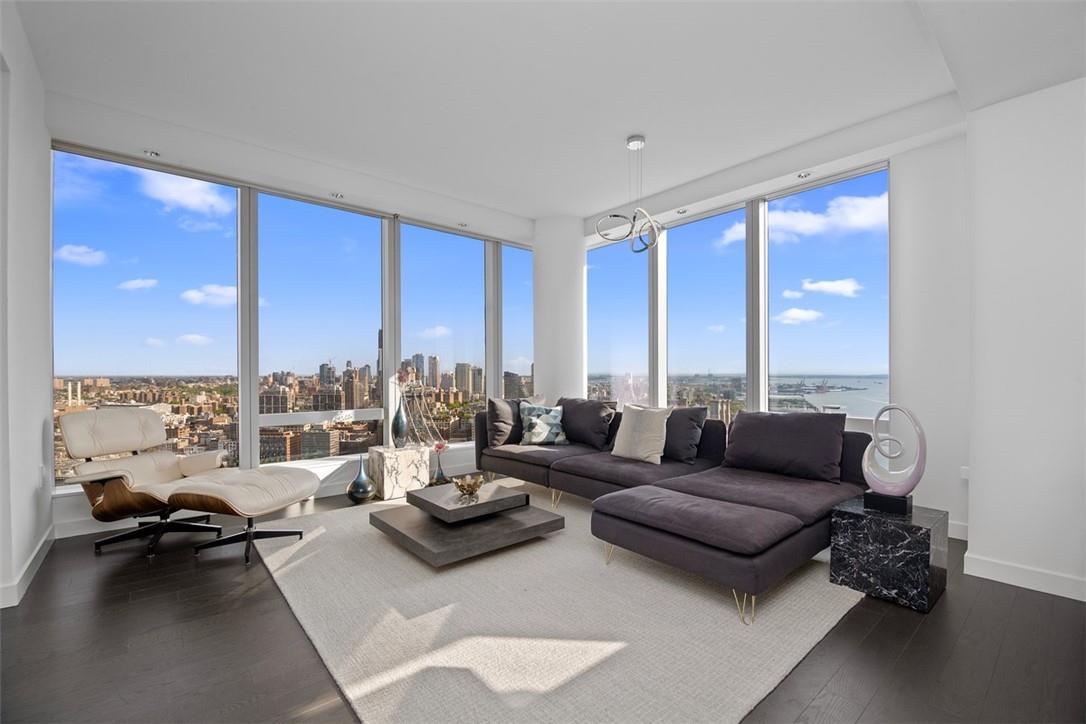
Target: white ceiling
522	107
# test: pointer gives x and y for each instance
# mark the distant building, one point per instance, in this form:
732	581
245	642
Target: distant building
276	400
511	386
319	443
433	371
477	381
418	361
279	445
463	377
329	398
327	374
447	381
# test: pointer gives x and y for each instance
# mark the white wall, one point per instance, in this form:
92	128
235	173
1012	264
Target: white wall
1026	504
930	301
559	280
26	372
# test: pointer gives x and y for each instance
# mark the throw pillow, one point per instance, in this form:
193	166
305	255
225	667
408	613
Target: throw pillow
684	427
503	425
798	444
542	425
586	421
642	434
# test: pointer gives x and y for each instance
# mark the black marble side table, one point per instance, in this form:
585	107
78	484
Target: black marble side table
901	558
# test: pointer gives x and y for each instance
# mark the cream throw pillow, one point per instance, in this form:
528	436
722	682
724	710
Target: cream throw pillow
642	433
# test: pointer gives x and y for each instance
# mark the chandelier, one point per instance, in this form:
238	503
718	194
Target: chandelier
641	230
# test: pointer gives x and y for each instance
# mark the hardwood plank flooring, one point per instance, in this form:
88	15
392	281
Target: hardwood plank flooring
121	639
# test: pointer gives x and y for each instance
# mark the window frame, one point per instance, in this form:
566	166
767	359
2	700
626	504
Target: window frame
248	308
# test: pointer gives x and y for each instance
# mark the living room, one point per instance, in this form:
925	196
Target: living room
444	361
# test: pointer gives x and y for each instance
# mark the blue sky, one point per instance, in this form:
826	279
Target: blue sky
828	269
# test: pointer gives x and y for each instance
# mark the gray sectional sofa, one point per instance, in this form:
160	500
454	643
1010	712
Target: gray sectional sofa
744	516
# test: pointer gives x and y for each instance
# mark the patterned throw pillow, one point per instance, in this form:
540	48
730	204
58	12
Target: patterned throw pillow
542	425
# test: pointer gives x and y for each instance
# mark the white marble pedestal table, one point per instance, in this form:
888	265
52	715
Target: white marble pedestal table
394	470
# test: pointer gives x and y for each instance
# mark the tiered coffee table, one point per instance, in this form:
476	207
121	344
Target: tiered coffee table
441	527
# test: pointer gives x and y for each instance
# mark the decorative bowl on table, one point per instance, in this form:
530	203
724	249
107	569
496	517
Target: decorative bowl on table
468	485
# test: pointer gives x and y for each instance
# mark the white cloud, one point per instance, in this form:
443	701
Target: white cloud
76	178
843	215
795	315
435	332
716	328
520	364
196	340
81	255
213	295
791	294
178	192
154	342
197	226
838	287
134	284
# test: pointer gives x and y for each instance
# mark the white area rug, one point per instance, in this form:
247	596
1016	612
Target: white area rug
540	632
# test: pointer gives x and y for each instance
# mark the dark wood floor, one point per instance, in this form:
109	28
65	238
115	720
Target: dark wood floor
117	638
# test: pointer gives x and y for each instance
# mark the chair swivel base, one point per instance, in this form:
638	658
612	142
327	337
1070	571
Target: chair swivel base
248	536
157	529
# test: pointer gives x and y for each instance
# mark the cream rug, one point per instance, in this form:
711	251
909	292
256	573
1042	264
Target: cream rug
540	632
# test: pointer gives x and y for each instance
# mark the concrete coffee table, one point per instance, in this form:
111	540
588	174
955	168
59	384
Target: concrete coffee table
441	527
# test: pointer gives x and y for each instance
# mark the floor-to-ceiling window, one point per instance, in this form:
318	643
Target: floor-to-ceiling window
518	368
144	300
618	337
828	297
442	329
706	314
319	285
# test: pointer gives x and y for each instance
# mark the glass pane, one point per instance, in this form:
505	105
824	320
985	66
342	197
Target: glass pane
828	265
618	325
319	328
518	370
443	325
706	321
144	300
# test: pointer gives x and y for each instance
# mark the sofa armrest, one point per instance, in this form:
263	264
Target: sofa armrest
200	462
482	438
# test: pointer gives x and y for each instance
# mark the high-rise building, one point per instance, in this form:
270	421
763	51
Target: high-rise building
433	371
511	387
354	391
328	398
275	400
447	381
327	374
477	381
418	361
319	443
463	377
279	445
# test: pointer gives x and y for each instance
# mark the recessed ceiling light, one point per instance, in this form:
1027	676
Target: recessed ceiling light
680	212
635	143
462	225
336	195
150	153
803	174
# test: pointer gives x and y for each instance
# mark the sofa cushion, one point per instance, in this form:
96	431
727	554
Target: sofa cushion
684	426
586	421
798	444
642	433
503	425
538	454
625	472
542	425
808	500
731	527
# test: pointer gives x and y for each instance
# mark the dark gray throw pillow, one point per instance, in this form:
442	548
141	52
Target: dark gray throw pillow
503	424
798	444
684	426
586	421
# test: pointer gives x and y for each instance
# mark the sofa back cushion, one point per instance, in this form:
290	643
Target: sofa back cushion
542	425
714	438
798	444
503	424
852	453
684	426
586	421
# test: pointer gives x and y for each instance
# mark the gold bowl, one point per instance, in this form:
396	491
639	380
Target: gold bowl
469	484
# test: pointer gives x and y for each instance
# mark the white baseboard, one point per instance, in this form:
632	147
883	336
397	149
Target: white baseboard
11	593
958	530
1015	574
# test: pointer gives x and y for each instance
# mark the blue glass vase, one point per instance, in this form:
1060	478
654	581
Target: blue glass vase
399	426
361	488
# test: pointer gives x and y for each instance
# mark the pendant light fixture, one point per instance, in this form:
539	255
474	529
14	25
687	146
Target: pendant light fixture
641	230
